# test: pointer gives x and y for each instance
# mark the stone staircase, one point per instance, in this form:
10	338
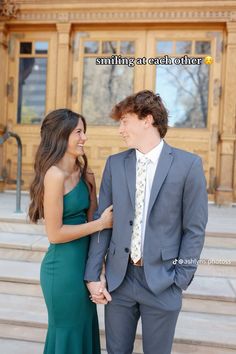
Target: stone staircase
206	325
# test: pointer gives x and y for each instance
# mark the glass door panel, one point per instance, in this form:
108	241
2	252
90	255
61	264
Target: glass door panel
183	86
188	83
32	83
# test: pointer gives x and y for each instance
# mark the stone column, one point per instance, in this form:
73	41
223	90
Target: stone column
225	192
62	90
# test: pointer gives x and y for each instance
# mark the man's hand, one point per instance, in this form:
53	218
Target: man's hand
98	291
104	298
104	285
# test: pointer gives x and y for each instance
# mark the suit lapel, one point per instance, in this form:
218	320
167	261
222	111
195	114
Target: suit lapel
162	170
130	171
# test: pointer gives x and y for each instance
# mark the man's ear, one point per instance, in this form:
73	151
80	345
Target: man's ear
148	120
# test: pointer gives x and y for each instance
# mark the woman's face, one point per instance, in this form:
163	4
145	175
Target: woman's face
77	140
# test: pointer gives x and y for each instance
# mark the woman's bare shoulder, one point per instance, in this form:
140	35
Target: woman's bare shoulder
54	175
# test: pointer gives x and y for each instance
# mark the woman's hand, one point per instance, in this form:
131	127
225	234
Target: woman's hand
99	292
107	218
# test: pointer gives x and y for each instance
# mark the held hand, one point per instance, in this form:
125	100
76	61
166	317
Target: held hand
107	218
104	286
103	298
107	295
95	287
96	290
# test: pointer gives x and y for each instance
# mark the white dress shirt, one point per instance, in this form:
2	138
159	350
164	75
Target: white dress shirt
153	156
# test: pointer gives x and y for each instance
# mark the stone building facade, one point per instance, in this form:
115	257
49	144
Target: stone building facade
88	56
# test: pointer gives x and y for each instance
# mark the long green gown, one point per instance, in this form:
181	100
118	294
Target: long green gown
72	317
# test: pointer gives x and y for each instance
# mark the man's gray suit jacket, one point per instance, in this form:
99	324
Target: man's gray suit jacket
175	226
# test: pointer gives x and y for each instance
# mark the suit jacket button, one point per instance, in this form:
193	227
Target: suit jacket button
127	250
131	222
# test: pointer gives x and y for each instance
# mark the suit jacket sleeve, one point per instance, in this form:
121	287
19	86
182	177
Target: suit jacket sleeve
195	211
99	241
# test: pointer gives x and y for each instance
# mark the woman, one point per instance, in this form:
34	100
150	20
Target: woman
64	194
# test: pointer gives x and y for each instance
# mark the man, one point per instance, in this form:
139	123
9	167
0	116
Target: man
160	213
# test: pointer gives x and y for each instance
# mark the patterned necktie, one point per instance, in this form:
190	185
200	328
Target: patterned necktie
136	239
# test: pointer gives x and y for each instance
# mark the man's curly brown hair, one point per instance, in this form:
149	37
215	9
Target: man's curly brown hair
143	103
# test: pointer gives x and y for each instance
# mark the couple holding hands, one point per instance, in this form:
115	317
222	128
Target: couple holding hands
122	253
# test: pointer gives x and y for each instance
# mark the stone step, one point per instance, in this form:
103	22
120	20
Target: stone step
211	288
22	241
209	306
17	288
206	329
179	348
31	247
22	247
218	256
20	223
11	346
223	233
23	347
24	318
21	255
220	242
214	288
29	340
221	220
216	270
194	301
211	295
205	294
21	226
20	272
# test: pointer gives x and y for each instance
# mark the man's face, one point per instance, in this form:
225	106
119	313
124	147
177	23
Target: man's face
131	130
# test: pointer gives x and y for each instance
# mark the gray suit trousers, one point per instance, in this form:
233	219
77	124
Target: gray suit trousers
134	299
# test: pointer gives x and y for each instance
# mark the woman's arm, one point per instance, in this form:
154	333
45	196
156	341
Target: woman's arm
53	211
93	195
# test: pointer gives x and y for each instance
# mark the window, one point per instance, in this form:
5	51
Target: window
106	84
33	58
184	88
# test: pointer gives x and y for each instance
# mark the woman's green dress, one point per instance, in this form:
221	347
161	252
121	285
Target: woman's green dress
72	317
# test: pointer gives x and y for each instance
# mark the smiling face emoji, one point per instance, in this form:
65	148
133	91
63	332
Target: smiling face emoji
208	60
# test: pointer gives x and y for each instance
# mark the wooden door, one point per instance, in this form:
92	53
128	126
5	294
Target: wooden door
97	84
191	90
31	93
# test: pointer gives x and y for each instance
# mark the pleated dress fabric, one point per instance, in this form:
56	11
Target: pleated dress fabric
72	317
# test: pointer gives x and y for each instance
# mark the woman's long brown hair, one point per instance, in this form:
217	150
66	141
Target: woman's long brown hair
55	131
